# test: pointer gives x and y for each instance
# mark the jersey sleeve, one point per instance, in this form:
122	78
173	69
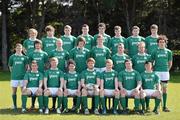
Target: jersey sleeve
10	62
46	74
120	77
41	77
108	54
26	76
170	58
138	77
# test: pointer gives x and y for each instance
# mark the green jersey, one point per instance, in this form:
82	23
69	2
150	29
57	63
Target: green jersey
114	42
139	61
129	79
89	41
151	44
161	57
68	42
62	57
72	80
33	78
118	61
132	45
80	56
41	57
100	55
90	77
109	78
28	44
107	39
18	66
49	44
53	77
149	80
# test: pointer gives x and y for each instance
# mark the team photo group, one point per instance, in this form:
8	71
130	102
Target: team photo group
100	67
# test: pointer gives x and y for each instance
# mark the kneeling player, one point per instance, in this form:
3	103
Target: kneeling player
150	86
90	82
33	81
53	84
129	83
109	86
71	86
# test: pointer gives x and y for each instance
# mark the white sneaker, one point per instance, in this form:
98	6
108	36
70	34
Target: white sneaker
58	111
86	111
46	111
23	110
40	111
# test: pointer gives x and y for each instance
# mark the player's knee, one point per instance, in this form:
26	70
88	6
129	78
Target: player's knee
122	93
84	92
142	94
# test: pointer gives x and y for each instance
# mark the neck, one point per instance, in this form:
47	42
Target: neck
59	48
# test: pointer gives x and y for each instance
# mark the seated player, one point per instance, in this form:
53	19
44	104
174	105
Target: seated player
150	87
130	84
71	86
53	84
90	82
33	81
109	86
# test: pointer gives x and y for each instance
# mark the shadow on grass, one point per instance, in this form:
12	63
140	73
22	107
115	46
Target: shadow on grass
175	77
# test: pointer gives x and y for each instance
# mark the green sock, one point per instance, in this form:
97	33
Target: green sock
78	102
164	99
126	102
40	101
60	99
103	102
65	100
14	98
33	99
24	100
46	101
143	103
157	102
96	97
136	103
116	101
147	99
84	101
123	102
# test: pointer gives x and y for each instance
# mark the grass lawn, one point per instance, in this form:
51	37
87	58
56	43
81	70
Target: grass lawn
7	113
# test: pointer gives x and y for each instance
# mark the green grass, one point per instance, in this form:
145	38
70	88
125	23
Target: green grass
7	113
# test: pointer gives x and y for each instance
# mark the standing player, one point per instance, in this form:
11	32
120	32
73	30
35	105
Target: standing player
72	86
68	40
116	40
80	54
18	64
150	87
61	54
28	44
162	58
53	85
119	58
89	38
100	53
140	58
102	29
90	82
133	41
33	81
151	41
49	42
130	84
109	86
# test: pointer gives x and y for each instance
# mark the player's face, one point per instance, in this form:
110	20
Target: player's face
18	49
121	49
154	31
100	41
101	30
71	67
50	33
32	34
109	66
34	67
59	43
67	31
90	65
117	31
81	44
128	65
54	64
38	46
141	48
162	43
135	32
148	67
85	30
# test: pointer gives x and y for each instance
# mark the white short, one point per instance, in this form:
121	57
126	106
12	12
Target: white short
129	93
16	83
33	90
72	92
53	91
163	76
90	92
100	69
108	92
149	92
